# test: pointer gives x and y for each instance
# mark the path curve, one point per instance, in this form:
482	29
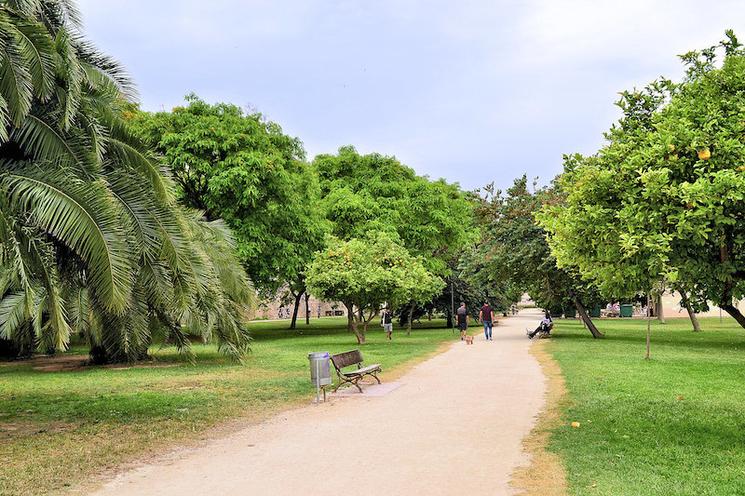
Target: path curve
454	426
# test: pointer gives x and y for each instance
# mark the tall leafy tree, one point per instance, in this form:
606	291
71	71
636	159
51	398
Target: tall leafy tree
664	200
513	250
242	168
91	239
363	193
432	220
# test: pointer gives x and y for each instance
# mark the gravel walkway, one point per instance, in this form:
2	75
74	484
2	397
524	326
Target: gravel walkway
453	425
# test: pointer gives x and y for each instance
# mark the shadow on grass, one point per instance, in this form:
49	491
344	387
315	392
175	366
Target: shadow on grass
714	341
269	334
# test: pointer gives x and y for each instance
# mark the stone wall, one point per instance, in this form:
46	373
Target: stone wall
281	308
671	308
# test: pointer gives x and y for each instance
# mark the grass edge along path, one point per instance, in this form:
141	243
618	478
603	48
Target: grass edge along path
71	439
545	474
672	425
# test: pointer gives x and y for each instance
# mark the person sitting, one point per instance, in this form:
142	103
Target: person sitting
612	310
544	327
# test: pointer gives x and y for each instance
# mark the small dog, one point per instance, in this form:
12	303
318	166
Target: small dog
469	339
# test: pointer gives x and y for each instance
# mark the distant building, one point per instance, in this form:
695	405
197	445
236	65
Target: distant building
671	307
281	308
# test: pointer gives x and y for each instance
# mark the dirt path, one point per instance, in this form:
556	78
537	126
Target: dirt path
453	426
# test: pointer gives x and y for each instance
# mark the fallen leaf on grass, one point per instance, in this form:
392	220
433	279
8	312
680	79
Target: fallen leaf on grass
575	425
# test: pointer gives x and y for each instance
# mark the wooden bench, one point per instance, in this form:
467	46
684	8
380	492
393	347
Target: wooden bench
353	376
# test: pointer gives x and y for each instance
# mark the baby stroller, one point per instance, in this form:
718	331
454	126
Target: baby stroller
543	330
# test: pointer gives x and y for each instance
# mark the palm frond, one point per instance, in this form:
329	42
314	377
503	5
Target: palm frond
36	48
110	69
78	310
58	14
14	255
58	334
45	142
68	11
27	8
4	119
83	217
139	206
16	86
13	314
125	151
71	73
157	237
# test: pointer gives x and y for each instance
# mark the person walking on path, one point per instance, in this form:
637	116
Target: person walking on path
485	316
386	320
462	314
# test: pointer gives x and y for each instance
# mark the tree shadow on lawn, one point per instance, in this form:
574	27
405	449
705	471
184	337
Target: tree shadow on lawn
711	340
270	334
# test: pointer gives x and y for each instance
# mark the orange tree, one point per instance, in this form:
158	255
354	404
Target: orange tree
664	201
367	272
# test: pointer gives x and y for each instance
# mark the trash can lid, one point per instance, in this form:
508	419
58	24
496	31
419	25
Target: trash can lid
319	354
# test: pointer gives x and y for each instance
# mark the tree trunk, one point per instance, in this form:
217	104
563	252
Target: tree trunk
411	316
649	327
353	323
735	313
307	310
356	330
360	334
658	305
727	296
366	320
689	308
586	317
350	317
449	320
293	322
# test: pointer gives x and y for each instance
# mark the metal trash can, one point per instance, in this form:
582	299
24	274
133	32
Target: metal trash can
595	312
627	310
320	370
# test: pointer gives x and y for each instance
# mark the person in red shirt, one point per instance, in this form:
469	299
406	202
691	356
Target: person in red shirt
486	316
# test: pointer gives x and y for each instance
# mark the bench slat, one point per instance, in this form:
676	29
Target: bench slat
363	370
346	359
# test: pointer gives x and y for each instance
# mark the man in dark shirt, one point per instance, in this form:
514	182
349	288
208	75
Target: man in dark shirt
485	316
462	315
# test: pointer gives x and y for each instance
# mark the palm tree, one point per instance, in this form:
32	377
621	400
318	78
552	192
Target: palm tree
92	240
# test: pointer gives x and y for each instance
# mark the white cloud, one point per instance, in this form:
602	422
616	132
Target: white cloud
472	90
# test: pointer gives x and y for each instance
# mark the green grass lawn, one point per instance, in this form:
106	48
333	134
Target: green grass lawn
59	428
673	425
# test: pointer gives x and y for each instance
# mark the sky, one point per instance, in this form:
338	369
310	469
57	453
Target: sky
473	91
